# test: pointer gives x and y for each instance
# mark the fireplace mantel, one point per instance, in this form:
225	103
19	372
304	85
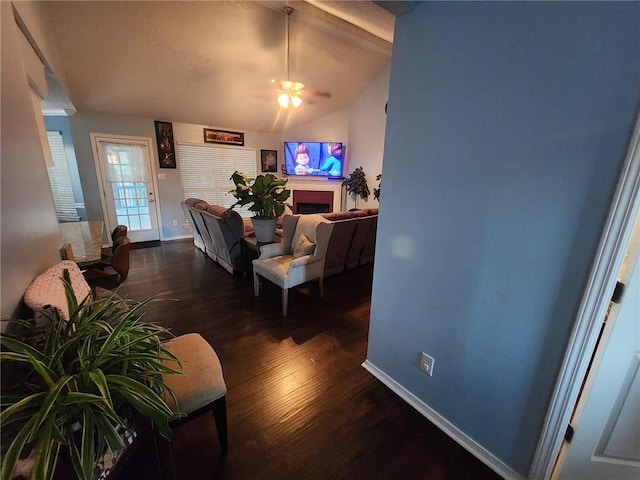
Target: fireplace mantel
321	185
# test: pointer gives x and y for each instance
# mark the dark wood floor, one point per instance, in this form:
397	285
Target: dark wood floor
300	406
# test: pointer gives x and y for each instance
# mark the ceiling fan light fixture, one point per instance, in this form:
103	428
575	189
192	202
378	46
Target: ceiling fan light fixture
289	98
283	100
290	92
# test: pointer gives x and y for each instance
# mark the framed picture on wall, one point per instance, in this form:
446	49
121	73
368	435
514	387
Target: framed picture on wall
269	160
164	141
223	136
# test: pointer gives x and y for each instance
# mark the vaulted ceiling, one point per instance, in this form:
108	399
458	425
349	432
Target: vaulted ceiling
218	63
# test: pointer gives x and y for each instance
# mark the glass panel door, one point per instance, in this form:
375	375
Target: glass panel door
127	181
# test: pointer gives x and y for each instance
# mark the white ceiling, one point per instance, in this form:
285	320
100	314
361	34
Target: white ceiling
213	62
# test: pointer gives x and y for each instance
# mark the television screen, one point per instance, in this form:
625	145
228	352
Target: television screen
323	159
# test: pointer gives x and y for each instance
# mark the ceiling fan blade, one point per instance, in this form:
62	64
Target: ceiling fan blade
316	94
266	96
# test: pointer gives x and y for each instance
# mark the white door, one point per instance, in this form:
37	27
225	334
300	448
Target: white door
606	443
127	185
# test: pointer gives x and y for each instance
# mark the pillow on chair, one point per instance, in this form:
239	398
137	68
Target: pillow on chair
303	247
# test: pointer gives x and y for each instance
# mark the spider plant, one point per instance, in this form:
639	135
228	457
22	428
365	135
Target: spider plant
68	384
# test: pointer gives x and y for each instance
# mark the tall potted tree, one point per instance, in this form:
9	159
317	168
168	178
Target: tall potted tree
266	196
70	386
357	185
376	191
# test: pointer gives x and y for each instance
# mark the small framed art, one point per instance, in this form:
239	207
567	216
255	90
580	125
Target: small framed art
269	160
164	140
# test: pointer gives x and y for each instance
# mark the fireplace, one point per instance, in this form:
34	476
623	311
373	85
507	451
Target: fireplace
312	201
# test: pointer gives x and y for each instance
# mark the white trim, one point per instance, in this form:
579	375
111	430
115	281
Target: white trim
177	237
54	112
600	285
96	162
445	425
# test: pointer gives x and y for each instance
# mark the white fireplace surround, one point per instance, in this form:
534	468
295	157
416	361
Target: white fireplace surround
334	186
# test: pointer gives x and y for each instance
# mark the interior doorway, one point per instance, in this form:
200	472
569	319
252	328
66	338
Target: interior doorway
127	185
606	420
608	259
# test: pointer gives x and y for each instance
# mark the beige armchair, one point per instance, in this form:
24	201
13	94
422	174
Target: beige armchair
298	259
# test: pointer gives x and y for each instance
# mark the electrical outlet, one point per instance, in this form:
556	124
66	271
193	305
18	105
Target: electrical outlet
426	364
175	222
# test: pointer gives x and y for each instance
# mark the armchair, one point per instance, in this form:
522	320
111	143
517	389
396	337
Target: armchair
48	289
298	259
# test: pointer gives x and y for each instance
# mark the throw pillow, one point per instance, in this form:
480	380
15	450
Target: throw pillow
303	247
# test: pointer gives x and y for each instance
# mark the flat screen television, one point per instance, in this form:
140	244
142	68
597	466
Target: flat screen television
317	159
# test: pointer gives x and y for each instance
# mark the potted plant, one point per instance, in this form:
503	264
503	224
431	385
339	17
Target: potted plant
357	185
265	195
68	386
376	191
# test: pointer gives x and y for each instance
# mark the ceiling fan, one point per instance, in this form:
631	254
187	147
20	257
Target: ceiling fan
291	94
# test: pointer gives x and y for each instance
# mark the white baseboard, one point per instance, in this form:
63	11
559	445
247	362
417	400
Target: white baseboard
177	237
443	424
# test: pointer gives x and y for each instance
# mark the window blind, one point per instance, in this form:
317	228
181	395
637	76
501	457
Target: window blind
60	180
205	172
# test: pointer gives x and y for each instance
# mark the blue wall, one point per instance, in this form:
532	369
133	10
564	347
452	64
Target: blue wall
507	127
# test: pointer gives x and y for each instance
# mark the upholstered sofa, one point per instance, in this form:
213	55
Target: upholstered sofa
193	228
218	233
353	240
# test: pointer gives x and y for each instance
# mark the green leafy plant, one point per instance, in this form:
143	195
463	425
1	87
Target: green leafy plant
68	384
357	185
266	194
376	191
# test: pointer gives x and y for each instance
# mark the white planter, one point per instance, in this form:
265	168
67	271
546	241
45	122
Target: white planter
265	230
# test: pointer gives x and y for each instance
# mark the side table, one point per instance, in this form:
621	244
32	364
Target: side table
251	249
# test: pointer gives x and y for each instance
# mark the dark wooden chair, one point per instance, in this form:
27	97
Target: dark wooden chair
112	275
117	235
119	232
107	254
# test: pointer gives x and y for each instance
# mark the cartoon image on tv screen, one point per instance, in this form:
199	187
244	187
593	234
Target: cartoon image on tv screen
302	160
333	163
314	158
